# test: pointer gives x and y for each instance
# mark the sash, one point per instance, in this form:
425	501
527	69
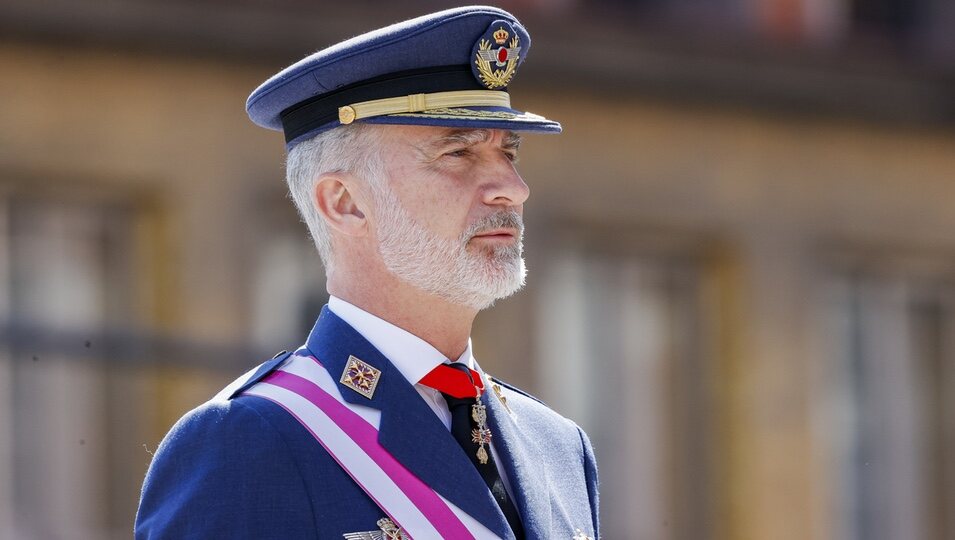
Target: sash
304	388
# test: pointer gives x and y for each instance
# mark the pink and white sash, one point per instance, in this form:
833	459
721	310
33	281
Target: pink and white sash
349	433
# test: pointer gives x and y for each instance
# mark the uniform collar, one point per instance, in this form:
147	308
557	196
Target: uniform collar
412	356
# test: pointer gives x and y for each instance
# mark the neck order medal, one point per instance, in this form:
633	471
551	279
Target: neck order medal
482	434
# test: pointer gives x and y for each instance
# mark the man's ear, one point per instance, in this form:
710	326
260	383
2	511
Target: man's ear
336	203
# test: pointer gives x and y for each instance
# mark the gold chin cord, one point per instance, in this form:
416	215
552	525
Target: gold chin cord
423	102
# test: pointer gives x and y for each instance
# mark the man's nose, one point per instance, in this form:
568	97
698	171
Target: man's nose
505	186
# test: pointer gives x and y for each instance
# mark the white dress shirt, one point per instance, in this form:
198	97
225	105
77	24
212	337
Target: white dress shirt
413	357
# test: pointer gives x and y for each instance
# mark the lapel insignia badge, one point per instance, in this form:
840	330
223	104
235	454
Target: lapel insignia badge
579	535
496	55
499	393
387	530
360	377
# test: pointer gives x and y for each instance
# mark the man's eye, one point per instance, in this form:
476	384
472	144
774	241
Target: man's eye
512	156
463	152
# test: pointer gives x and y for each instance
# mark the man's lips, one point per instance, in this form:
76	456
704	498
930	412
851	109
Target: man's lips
497	234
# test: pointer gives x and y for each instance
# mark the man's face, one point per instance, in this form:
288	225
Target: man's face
448	219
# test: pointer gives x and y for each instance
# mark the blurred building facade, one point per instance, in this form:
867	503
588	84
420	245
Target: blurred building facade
742	270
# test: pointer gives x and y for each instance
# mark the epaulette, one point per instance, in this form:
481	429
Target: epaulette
244	383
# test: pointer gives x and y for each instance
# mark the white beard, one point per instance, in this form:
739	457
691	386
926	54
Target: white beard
445	267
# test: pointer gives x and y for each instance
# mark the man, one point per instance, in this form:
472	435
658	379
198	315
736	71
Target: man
402	145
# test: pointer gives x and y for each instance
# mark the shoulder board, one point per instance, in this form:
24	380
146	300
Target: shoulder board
244	382
513	388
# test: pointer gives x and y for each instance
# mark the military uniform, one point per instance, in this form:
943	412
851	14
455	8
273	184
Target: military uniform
240	466
338	439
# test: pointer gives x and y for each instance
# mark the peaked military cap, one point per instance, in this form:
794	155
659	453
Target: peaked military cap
450	68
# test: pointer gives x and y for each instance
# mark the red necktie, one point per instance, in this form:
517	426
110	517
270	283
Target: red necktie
459	383
461	388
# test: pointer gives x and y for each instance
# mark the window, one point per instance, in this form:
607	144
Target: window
623	352
889	396
65	279
288	285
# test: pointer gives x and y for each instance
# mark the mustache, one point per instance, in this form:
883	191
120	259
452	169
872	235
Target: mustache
509	219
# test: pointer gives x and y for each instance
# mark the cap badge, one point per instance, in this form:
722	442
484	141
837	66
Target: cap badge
360	377
496	55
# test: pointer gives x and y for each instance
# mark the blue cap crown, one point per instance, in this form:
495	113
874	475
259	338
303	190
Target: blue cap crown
449	68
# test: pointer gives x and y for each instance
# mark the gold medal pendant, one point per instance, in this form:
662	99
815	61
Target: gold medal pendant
482	434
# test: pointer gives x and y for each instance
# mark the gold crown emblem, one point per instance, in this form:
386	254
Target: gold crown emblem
500	36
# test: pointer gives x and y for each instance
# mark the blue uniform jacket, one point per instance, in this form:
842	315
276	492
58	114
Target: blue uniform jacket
240	466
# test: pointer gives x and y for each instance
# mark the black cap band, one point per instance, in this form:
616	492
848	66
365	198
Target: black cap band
308	115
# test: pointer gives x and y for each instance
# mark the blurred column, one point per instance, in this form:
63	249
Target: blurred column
882	416
770	465
887	454
57	397
6	381
621	353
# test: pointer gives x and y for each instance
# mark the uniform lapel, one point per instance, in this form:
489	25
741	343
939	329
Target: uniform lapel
409	429
519	454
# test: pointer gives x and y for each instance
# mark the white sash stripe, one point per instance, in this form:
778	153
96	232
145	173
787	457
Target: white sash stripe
352	458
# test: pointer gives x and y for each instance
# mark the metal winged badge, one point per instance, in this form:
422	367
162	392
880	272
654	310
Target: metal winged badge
387	530
505	57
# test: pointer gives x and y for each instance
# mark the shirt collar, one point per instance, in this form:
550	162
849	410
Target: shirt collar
411	355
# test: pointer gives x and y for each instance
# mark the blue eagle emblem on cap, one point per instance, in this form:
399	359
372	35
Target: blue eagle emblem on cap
496	55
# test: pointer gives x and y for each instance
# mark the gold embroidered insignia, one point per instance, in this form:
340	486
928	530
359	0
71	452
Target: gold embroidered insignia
387	530
360	377
504	59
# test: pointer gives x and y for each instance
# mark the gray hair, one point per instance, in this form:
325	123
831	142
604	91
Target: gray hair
342	149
